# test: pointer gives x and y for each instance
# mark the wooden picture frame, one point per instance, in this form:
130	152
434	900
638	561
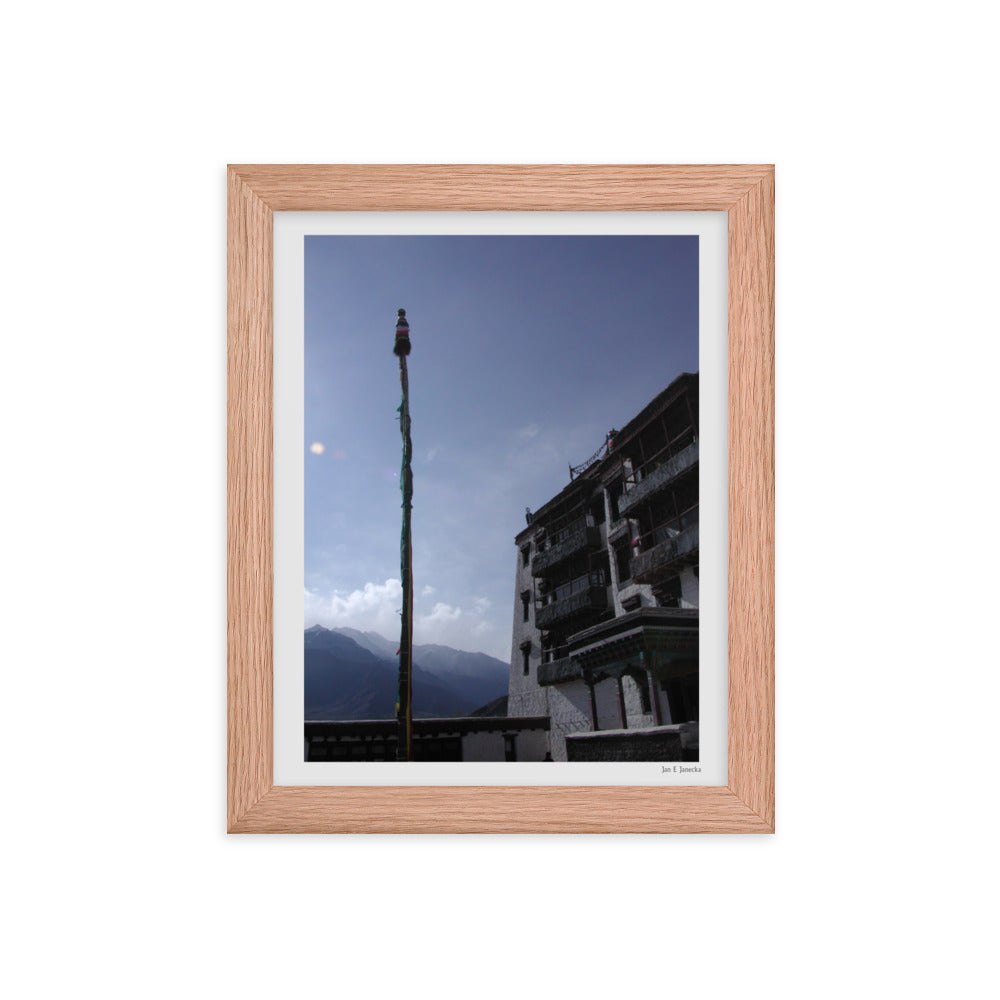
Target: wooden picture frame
746	805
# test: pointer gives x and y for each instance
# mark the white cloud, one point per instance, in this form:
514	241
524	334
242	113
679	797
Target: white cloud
440	615
462	626
375	607
529	431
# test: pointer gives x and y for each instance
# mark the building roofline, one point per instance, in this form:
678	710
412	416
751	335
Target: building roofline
634	621
683	382
660	402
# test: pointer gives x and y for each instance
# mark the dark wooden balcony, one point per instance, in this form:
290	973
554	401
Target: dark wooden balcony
668	555
587	600
656	478
580	539
559	671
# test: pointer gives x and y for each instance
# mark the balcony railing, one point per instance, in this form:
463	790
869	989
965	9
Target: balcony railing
588	599
674	550
580	538
559	671
656	476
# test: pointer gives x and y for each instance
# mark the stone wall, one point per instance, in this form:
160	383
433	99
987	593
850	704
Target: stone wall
689	588
661	744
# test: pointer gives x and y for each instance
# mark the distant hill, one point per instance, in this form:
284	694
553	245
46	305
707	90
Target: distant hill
344	681
480	678
372	641
495	709
354	675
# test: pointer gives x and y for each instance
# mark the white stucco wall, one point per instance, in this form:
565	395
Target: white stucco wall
482	746
524	696
689	588
637	719
569	709
531	745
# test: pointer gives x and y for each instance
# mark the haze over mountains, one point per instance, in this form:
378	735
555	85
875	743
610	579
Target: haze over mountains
354	675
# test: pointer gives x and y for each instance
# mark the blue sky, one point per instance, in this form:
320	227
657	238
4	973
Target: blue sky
526	351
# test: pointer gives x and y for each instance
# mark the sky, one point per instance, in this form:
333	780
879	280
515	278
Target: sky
526	351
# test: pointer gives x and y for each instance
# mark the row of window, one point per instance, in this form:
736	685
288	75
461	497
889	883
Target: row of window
444	748
682	496
668	593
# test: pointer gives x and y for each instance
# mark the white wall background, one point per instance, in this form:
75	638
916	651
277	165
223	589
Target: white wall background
119	120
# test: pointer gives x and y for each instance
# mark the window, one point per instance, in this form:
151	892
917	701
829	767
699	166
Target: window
614	495
623	562
510	746
668	593
525	656
525	555
643	685
525	601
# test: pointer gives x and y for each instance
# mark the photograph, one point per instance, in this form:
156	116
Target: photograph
501	498
463	455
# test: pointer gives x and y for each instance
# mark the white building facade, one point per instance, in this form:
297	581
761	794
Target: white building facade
605	631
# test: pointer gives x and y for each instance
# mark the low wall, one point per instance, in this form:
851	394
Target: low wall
662	743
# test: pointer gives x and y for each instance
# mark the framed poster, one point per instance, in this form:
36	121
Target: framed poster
633	642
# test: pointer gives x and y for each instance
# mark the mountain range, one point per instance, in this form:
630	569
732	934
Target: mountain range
354	675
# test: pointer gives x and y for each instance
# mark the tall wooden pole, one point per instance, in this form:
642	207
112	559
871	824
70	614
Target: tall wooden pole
404	701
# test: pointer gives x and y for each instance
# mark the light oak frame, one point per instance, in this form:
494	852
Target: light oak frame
255	804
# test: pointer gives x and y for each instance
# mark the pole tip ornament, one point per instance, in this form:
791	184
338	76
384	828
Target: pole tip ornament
402	345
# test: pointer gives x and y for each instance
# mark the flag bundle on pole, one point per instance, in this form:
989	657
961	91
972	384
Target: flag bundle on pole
404	706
